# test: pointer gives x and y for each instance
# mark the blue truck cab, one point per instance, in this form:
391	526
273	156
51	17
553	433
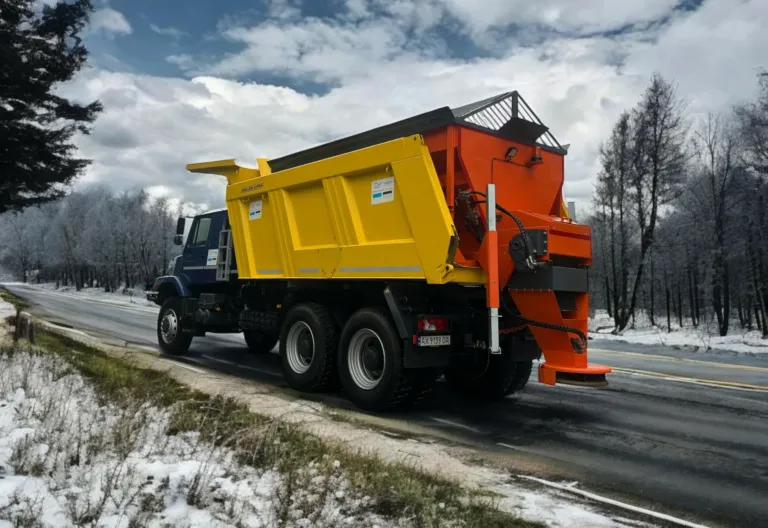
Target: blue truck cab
200	292
195	268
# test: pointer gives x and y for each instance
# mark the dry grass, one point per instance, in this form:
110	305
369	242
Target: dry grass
390	490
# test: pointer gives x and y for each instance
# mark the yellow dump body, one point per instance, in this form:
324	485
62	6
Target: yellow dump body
374	213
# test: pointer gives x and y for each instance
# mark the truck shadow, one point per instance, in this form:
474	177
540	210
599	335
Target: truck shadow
536	414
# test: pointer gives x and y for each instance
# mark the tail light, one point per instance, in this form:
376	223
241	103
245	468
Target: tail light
432	324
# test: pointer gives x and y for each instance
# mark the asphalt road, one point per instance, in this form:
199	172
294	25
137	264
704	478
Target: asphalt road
677	432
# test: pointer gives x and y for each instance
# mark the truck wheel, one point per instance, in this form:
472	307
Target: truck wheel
260	342
501	378
521	376
308	343
169	335
371	364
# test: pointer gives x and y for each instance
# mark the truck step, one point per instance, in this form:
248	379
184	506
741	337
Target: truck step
224	261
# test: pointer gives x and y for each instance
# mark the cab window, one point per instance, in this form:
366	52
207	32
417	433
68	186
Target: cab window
200	237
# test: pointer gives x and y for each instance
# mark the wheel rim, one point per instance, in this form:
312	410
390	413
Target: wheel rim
169	326
300	347
366	359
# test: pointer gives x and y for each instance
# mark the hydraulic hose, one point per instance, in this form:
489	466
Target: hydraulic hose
530	259
549	326
532	264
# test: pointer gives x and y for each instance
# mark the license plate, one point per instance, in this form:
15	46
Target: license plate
442	340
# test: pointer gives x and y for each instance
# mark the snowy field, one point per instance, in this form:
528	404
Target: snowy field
6	310
69	458
703	338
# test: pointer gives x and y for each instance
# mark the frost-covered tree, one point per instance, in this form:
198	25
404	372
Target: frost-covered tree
91	238
642	171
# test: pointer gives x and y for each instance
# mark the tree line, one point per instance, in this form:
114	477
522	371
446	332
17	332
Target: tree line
679	214
47	233
90	238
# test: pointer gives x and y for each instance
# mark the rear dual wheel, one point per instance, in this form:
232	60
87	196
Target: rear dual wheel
308	344
370	364
491	378
366	358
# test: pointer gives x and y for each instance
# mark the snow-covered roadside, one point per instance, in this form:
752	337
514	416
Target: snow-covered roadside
6	310
67	457
156	457
132	297
705	337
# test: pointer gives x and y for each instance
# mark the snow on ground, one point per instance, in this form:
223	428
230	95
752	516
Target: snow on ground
705	337
130	296
67	457
6	310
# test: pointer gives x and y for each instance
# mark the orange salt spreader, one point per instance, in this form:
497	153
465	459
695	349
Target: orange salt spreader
497	154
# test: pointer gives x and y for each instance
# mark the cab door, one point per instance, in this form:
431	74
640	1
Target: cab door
201	250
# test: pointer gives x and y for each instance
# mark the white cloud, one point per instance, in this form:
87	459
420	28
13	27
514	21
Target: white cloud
110	21
357	9
284	9
584	16
169	31
323	50
713	53
183	60
153	126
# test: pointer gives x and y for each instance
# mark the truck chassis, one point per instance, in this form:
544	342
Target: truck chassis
384	343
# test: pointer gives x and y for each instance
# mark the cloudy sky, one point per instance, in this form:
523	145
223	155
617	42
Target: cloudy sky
193	80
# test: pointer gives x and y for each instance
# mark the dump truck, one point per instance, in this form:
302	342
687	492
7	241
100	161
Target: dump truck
435	246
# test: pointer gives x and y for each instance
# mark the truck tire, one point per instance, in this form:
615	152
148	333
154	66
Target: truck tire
260	342
308	344
522	375
501	378
169	335
371	367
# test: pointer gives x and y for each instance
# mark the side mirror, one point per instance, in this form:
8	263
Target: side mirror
178	240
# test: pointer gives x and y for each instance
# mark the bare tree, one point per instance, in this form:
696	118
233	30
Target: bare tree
611	197
91	238
717	148
642	171
752	121
753	127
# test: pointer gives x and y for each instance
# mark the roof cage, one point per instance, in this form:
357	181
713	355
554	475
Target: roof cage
506	115
510	116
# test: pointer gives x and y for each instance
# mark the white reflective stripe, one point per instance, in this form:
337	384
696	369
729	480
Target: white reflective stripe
491	206
494	316
493	313
310	270
380	269
270	272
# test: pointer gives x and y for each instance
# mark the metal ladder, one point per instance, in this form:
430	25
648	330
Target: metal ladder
224	260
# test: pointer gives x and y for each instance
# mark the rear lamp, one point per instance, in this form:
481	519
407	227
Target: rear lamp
432	324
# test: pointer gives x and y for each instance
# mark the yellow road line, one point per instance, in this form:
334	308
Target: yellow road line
680	360
700	381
